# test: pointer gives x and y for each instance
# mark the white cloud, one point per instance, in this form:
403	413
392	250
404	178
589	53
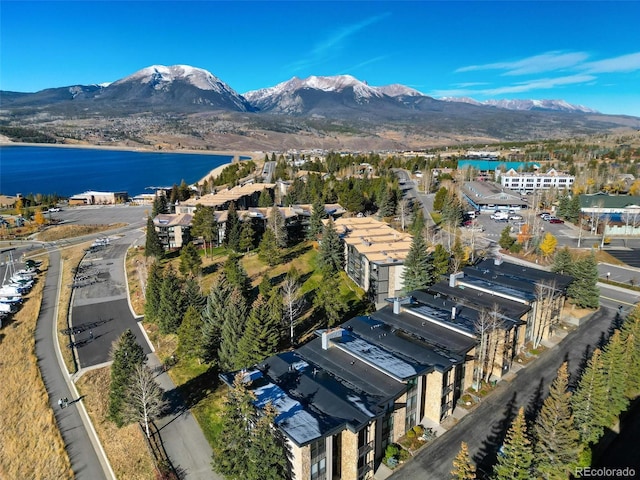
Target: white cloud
537	84
545	62
621	64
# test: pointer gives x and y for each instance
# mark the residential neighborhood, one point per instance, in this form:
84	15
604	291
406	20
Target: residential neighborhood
357	315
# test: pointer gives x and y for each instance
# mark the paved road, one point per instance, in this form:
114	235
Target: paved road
484	428
72	421
100	314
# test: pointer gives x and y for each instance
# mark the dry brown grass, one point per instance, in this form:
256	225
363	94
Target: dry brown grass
60	232
125	447
32	446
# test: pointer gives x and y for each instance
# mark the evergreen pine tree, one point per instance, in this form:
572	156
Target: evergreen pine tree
331	251
261	335
573	209
589	402
236	274
247	236
386	205
204	225
267	459
275	223
615	372
463	469
419	271
268	250
418	223
153	246
583	290
459	255
328	300
318	213
440	260
159	205
516	458
213	317
232	228
265	199
172	306
184	192
193	294
562	262
440	198
126	355
506	240
152	292
557	447
190	261
233	326
190	334
631	337
233	440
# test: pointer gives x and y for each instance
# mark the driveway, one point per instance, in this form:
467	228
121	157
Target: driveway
483	429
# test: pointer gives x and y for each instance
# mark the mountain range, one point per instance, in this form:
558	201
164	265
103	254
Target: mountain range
316	106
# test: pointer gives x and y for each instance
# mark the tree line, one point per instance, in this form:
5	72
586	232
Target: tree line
561	438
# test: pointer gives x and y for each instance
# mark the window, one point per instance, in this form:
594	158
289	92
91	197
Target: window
412	404
319	460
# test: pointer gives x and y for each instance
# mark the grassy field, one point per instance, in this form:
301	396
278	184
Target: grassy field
125	447
198	384
30	441
60	232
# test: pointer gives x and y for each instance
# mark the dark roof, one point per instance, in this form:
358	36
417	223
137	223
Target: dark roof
517	275
467	309
480	300
608	201
443	341
318	392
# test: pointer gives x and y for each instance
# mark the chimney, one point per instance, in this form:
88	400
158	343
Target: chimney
329	334
454	277
453	313
396	305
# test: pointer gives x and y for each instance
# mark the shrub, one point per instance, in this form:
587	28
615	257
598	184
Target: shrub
411	434
404	455
392	451
419	429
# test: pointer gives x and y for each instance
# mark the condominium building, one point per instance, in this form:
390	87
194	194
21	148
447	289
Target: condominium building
527	182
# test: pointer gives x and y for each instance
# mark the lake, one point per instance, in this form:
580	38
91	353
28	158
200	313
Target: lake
69	171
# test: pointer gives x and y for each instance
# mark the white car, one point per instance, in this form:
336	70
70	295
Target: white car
515	217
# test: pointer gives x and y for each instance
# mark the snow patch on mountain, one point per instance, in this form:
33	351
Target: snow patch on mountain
524	105
397	90
160	76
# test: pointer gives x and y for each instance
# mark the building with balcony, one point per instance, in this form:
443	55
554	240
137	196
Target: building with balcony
173	229
374	255
352	390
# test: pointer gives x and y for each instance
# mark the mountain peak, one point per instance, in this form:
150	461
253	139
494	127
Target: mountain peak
522	104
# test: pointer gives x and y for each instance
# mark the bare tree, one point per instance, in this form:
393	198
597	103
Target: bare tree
143	398
546	310
485	327
292	301
404	212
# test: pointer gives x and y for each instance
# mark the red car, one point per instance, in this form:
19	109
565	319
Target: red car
555	220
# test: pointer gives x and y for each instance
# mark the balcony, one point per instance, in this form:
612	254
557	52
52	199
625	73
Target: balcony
365	471
364	449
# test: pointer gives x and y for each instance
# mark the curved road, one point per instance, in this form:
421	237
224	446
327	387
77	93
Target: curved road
77	432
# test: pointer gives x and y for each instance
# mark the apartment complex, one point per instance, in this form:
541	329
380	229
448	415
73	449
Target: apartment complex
374	255
173	229
352	390
529	182
244	196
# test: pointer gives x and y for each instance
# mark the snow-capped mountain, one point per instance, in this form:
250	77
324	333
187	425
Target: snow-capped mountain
297	96
527	105
397	90
177	84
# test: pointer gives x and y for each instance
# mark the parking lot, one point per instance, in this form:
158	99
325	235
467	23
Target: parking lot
102	214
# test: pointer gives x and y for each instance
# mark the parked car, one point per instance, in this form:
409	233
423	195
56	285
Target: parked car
515	217
500	216
555	220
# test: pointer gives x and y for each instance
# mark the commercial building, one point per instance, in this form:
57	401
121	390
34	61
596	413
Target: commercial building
351	391
98	198
529	182
489	196
612	214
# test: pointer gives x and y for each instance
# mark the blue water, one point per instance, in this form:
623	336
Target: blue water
69	171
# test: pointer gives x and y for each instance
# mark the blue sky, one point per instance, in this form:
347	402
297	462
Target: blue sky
585	52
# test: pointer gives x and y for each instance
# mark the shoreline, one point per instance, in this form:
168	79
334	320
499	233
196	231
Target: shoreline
255	156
